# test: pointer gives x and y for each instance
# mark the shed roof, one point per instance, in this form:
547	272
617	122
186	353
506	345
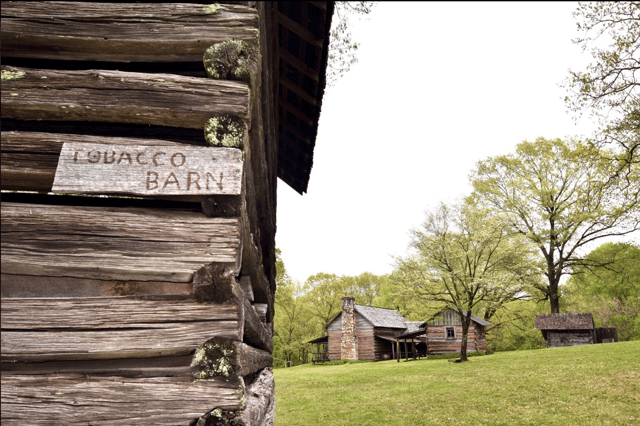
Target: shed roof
474	318
477	319
413	326
382	317
414	329
571	321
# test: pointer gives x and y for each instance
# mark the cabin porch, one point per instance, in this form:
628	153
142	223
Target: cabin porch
320	350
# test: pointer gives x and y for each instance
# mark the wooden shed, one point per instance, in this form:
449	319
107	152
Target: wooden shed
569	329
444	333
141	146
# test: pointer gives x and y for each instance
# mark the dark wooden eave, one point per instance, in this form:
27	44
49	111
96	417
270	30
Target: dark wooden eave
323	339
303	45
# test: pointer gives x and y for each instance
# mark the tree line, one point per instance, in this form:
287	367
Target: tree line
523	241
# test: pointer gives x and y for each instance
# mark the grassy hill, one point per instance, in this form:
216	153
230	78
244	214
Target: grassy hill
580	385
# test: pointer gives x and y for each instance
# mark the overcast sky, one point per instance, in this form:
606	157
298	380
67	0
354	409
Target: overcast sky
438	87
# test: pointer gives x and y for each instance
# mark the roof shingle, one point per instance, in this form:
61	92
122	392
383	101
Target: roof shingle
382	317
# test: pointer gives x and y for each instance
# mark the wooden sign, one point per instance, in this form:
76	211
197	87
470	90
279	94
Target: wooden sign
88	168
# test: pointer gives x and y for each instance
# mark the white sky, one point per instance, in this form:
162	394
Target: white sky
438	87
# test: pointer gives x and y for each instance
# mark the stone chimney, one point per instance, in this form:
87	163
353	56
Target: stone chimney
349	342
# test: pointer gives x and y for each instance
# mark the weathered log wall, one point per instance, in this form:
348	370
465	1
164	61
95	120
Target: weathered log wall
127	309
119	97
365	337
559	338
438	343
334	332
116	32
114	243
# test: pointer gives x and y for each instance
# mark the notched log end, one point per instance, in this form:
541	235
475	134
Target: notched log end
231	60
259	406
219	417
227	130
214	358
213	283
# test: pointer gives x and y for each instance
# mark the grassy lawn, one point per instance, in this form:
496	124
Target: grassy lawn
580	385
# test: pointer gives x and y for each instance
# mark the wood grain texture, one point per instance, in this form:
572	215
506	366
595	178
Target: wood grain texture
80	400
162	366
255	332
92	313
27	286
87	168
116	327
261	401
171	339
114	244
120	97
121	32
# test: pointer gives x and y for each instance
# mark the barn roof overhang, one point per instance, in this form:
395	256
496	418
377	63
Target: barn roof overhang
303	30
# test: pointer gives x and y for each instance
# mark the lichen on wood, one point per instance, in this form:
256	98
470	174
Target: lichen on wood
8	75
230	60
213	359
228	131
212	9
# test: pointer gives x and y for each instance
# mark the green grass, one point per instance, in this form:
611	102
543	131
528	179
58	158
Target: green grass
580	385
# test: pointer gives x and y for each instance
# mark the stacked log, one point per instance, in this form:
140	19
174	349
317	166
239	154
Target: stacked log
126	235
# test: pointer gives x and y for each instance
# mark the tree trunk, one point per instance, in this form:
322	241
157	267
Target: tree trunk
554	297
463	346
465	336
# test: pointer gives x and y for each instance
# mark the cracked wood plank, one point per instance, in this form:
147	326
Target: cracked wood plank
120	97
114	243
116	32
79	400
111	327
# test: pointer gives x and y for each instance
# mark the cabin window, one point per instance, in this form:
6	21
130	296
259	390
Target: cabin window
450	332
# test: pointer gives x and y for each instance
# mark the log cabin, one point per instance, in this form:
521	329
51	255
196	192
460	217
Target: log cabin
368	333
360	332
141	147
444	333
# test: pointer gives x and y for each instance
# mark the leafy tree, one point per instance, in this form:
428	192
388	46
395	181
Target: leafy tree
365	287
343	47
560	196
464	256
512	327
324	293
292	323
609	87
608	284
394	295
611	270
